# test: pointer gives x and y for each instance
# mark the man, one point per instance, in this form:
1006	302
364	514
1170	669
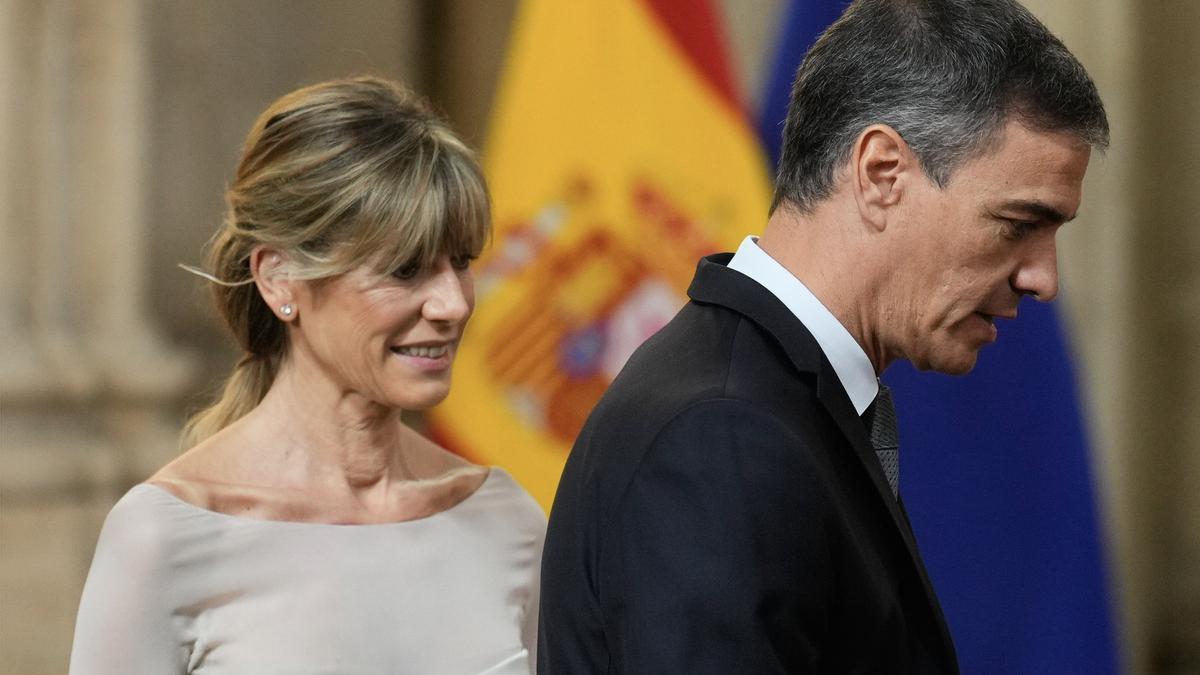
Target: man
727	508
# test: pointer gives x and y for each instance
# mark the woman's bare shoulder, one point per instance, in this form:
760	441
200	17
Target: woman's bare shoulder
218	475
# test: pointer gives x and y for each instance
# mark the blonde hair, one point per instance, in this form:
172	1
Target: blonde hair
336	175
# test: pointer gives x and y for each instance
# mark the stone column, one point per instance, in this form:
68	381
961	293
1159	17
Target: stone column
26	63
84	377
73	227
110	115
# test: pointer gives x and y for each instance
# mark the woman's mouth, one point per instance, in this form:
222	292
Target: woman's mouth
422	352
425	357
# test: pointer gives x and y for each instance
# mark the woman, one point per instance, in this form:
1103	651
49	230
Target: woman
307	529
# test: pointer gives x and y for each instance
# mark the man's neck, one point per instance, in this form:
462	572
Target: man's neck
829	251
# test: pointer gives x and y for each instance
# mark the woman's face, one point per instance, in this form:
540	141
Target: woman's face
388	338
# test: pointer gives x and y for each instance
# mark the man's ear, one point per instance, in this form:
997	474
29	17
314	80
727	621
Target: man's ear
268	266
880	164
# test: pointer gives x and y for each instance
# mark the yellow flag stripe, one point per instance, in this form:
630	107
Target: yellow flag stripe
613	167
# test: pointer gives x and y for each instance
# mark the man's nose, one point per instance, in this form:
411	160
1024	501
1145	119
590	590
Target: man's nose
1037	275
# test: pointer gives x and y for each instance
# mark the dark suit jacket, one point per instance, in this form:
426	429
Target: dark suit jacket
723	512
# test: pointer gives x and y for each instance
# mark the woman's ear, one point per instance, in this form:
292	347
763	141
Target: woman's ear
880	162
268	266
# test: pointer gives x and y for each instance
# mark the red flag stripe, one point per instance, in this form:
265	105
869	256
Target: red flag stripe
697	31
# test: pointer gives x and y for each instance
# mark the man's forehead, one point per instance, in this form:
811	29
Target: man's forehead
1038	172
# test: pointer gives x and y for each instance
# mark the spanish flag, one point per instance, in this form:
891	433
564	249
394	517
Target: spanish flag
619	154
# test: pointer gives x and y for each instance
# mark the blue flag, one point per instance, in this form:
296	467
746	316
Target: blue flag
804	21
995	472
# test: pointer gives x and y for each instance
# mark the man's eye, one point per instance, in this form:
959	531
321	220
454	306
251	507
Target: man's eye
1020	228
406	271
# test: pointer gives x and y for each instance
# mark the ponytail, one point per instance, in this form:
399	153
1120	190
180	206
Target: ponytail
243	390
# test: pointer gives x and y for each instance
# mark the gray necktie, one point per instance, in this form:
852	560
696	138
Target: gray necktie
880	418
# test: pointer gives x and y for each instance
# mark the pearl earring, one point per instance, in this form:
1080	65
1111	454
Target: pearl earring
287	310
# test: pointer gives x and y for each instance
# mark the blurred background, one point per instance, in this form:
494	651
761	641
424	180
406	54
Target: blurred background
120	121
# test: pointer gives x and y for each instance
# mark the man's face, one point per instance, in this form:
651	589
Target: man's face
969	251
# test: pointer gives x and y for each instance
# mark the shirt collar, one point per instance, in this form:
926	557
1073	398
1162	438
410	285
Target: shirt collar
849	361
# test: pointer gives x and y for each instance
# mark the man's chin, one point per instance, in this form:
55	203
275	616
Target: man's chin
958	368
948	361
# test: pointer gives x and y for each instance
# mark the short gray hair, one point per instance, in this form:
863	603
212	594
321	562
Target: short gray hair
945	74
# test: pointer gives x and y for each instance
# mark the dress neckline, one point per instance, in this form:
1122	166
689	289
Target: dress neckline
487	484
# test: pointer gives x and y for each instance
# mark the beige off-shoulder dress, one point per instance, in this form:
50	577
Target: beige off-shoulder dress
175	588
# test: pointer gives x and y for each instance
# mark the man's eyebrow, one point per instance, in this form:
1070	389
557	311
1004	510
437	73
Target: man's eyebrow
1038	210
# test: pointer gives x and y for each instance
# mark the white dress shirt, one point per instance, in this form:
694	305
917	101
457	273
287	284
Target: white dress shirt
849	361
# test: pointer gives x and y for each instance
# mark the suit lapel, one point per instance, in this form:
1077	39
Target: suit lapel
837	403
717	284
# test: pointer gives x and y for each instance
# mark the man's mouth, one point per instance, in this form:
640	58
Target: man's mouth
991	318
992	330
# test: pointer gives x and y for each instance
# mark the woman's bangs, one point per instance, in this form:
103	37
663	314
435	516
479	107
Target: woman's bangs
444	213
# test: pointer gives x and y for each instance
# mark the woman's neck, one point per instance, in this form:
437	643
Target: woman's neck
311	451
320	432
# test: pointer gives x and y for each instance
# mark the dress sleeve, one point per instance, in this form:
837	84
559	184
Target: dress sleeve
125	622
529	624
702	556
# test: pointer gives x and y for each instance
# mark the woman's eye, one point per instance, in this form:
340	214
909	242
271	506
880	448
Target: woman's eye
461	262
406	271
